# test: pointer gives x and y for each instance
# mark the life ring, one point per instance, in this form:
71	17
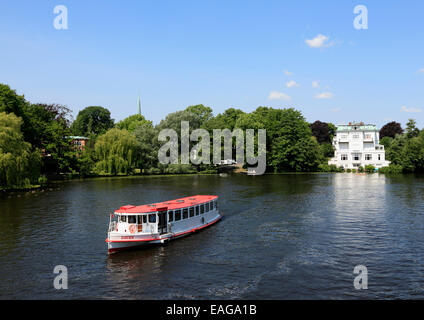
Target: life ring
132	228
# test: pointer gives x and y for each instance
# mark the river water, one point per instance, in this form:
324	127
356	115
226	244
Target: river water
289	236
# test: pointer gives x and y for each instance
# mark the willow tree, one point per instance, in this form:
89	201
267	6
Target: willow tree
116	152
19	166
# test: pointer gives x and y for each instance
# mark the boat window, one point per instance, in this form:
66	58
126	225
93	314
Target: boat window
197	210
185	213
207	207
177	215
202	209
170	216
192	212
123	218
152	218
131	219
139	219
144	218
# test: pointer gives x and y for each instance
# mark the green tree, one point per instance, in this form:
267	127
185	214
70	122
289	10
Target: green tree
411	129
50	126
19	166
290	145
116	152
148	145
130	123
225	120
92	120
204	113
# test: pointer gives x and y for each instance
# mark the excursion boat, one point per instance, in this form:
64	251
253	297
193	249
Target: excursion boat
132	226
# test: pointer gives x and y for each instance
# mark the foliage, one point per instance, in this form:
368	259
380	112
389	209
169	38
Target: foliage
369	168
360	169
290	144
320	130
116	152
148	145
392	168
92	120
390	130
132	122
323	167
19	166
411	129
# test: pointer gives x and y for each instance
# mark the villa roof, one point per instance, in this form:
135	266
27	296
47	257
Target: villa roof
167	205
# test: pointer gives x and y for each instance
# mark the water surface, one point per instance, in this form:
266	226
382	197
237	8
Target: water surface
282	237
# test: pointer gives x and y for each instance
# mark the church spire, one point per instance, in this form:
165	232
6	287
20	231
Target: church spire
139	105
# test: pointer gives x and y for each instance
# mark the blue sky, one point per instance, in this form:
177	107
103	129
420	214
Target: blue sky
223	54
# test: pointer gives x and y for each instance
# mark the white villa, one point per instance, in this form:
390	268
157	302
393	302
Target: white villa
357	144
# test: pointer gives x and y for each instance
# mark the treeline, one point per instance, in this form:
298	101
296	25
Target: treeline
404	148
35	141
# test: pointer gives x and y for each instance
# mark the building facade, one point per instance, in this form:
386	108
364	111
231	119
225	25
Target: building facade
357	144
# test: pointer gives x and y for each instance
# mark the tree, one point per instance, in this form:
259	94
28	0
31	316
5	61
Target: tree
49	125
226	120
92	120
320	130
411	129
11	102
116	152
290	145
131	122
203	112
19	166
148	145
391	129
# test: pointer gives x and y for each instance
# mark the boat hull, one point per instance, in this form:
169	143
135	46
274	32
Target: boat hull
117	245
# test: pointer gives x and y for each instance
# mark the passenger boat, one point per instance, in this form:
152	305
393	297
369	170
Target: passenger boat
132	226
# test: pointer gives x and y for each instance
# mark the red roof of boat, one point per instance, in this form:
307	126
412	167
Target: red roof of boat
167	205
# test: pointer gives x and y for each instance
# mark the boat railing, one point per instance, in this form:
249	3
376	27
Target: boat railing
112	226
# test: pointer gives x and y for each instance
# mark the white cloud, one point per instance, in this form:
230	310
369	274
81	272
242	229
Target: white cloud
421	70
324	95
291	84
288	73
315	84
318	42
410	110
336	110
275	95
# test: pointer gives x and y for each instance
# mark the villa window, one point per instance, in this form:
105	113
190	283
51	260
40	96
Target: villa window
379	156
356	136
170	216
344	136
192	212
344	157
368	157
185	213
356	157
177	215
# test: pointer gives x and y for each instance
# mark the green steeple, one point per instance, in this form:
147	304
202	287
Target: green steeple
139	106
